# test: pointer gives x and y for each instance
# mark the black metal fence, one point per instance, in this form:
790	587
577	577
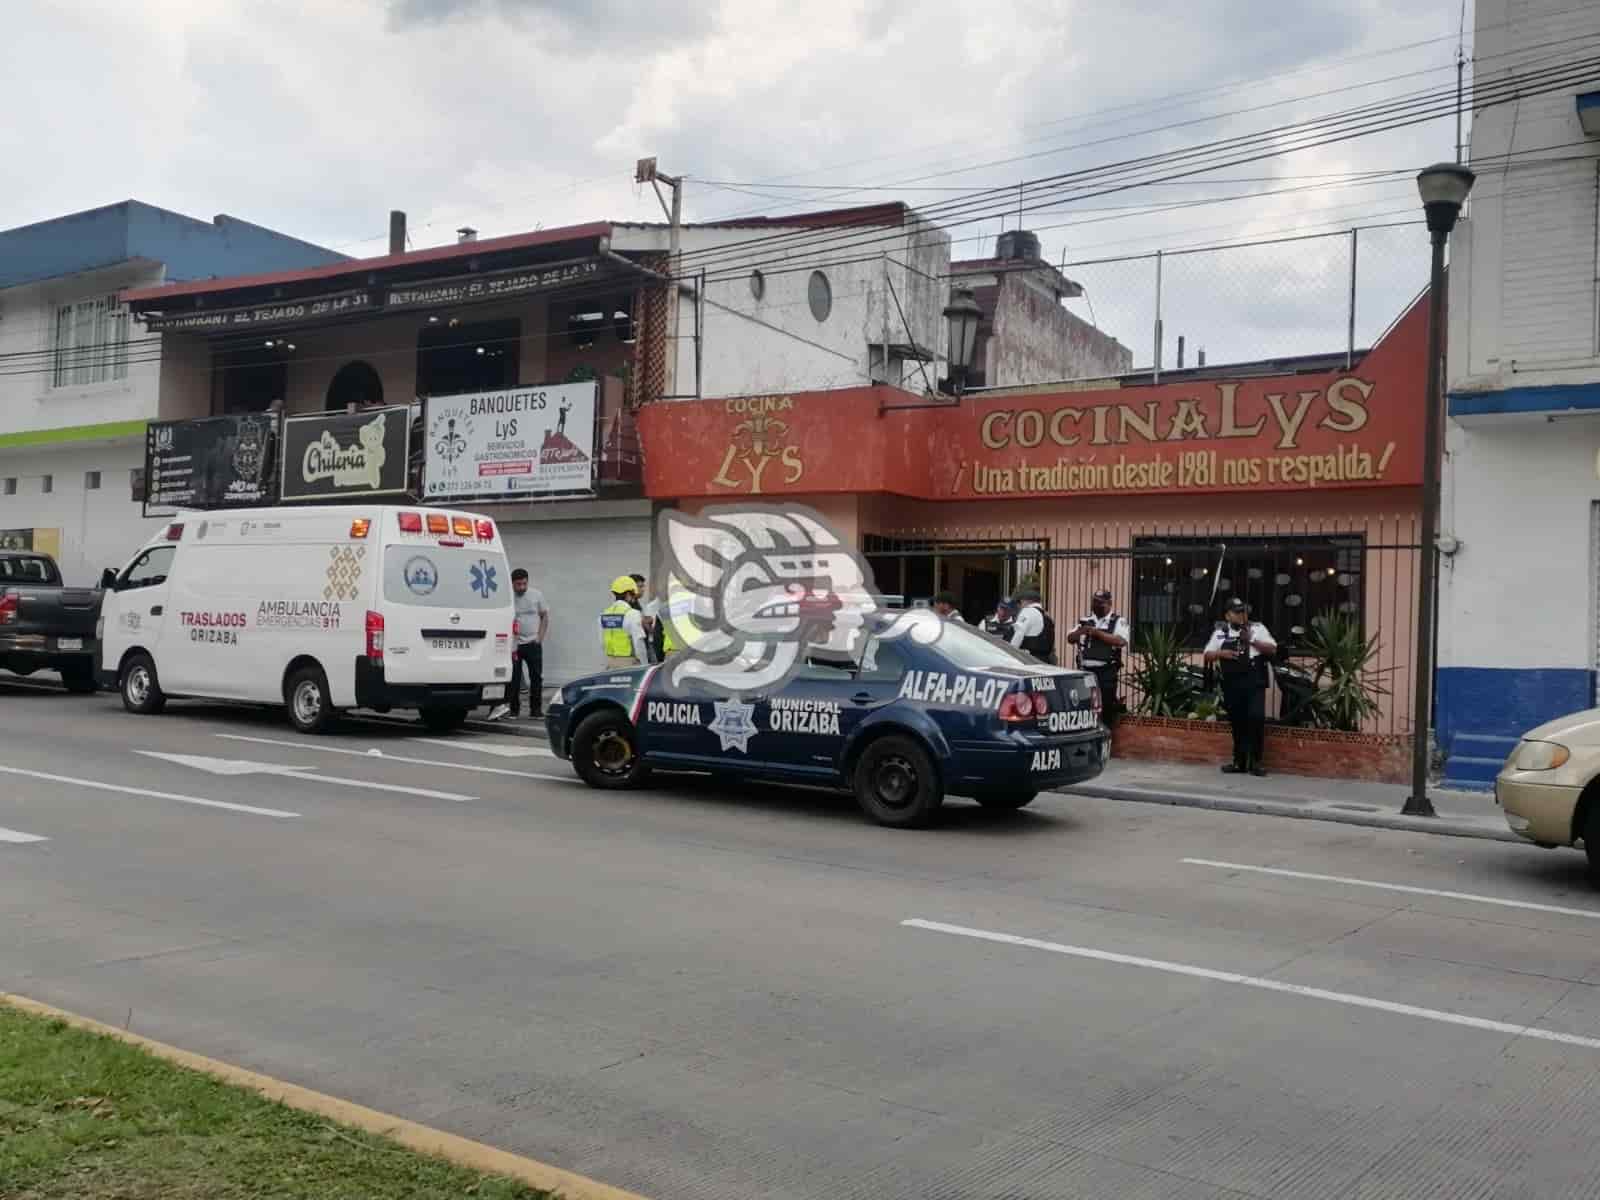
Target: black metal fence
1338	595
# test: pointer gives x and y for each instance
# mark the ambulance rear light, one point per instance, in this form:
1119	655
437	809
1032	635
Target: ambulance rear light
359	527
375	638
1017	706
410	522
461	526
451	544
438	523
174	532
485	530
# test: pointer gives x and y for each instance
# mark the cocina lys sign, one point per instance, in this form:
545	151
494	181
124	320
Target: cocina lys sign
1332	429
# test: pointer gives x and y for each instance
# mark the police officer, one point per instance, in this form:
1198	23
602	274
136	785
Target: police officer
945	605
1003	621
1035	630
1242	650
622	635
1101	637
650	613
674	623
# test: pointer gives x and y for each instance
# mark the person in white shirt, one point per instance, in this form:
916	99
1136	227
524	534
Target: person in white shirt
1101	637
1242	650
1034	632
533	622
945	605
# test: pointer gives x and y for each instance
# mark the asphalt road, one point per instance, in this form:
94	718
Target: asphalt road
714	992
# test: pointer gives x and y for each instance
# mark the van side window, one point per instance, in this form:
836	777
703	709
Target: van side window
149	569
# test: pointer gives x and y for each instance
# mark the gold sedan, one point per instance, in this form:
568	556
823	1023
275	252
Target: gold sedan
1550	786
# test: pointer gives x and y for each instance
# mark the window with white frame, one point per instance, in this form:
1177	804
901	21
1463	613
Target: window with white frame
91	342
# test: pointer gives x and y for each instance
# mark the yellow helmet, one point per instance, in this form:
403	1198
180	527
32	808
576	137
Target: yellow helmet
622	585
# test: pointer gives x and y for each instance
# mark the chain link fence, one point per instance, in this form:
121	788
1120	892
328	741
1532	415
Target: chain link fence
1313	295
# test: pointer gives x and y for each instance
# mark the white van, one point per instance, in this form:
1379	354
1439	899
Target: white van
318	609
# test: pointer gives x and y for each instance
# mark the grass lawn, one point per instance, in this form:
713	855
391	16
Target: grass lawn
88	1117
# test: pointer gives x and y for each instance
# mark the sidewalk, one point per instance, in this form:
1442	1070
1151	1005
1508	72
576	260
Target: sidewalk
1349	802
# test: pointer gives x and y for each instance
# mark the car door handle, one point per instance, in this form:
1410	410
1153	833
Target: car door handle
862	698
155	610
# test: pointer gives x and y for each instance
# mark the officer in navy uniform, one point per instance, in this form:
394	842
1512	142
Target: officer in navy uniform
1242	650
1101	637
1003	621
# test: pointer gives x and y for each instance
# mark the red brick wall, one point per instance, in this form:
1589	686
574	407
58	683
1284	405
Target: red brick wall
1378	758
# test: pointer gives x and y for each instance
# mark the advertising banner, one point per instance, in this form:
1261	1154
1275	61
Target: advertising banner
490	285
215	462
519	443
329	456
258	316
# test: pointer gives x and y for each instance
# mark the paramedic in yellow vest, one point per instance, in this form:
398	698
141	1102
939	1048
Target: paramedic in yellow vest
621	627
679	607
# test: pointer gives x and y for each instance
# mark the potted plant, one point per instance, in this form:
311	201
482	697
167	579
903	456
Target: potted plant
1348	688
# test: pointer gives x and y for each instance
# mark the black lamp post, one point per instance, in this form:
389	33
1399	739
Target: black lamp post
1444	188
961	316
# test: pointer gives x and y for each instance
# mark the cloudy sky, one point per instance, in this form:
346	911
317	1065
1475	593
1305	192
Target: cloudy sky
318	116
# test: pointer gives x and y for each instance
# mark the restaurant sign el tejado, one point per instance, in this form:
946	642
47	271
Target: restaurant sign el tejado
1333	429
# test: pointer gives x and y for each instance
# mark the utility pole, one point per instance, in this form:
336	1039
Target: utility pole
646	172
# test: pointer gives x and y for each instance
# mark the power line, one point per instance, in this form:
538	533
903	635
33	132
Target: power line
1270	143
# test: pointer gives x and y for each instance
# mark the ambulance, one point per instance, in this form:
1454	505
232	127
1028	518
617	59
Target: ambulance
317	609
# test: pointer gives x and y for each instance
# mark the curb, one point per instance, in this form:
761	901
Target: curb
1443	826
458	1150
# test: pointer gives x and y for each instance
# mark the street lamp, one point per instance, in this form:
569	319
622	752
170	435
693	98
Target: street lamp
1444	188
961	316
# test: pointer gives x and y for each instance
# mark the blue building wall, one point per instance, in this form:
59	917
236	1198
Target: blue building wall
191	249
1481	712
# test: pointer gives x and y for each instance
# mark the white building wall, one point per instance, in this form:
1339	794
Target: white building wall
773	342
1518	593
30	400
1523	290
98	528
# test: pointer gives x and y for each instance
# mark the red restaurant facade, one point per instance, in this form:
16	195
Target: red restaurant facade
1298	490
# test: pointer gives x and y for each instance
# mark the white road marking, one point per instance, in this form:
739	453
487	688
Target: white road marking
1267	985
498	749
135	791
239	766
398	758
225	766
17	837
1396	887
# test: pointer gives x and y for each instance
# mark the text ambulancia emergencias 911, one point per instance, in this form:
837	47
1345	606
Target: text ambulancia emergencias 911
902	724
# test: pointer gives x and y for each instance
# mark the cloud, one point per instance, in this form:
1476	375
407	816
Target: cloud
319	118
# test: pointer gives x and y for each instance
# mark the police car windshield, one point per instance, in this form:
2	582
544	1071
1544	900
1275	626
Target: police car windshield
971	650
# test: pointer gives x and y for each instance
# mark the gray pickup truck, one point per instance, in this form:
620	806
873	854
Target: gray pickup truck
45	626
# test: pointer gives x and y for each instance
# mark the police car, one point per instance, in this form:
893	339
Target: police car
900	722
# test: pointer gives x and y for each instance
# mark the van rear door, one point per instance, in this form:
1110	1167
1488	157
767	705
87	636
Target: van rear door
447	613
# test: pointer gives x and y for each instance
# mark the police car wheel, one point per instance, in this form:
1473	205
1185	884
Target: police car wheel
605	752
896	783
1020	798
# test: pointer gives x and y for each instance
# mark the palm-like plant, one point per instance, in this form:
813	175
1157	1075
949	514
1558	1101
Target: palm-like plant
1161	675
1348	688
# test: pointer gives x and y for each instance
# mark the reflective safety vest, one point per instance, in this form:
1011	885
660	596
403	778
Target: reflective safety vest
679	608
614	636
